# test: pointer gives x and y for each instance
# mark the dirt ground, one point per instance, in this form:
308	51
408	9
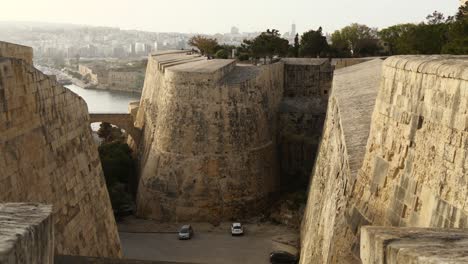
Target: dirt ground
149	240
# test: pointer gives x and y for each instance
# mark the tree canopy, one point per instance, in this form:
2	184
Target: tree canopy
267	45
357	40
434	36
313	43
207	46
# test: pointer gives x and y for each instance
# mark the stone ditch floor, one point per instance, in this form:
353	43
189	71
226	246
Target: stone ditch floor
149	240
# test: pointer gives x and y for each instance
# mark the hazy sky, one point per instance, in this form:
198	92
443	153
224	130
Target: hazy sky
217	16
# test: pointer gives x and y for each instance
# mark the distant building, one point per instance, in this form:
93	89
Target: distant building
235	31
293	31
140	48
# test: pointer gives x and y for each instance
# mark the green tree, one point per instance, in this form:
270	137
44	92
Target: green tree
244	52
435	18
457	36
207	46
313	43
109	133
394	37
340	47
415	39
296	45
361	40
119	170
268	44
117	162
222	54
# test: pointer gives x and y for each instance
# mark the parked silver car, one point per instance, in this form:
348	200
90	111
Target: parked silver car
237	229
186	232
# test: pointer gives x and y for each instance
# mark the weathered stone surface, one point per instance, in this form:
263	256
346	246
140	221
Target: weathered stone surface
47	154
409	245
10	50
307	85
340	154
208	148
413	172
26	234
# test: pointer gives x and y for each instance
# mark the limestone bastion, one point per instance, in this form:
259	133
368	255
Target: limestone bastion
209	149
47	155
403	166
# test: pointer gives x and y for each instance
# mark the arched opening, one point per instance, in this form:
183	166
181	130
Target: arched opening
119	166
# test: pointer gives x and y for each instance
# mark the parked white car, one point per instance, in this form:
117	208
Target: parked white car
237	229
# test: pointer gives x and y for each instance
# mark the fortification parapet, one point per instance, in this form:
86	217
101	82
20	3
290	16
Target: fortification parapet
26	234
394	245
10	50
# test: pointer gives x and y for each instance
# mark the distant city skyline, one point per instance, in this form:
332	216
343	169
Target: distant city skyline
215	16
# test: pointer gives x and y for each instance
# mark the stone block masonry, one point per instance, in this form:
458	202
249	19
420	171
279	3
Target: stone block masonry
208	149
414	170
10	50
47	154
212	131
412	173
307	85
26	234
339	157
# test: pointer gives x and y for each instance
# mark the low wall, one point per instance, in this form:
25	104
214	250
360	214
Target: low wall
26	234
390	245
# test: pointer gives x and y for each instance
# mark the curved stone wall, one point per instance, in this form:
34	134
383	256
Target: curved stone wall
47	155
208	150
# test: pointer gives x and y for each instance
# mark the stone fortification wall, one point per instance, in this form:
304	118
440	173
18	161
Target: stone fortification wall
209	150
10	50
26	234
307	84
414	168
338	160
414	171
127	81
307	77
47	154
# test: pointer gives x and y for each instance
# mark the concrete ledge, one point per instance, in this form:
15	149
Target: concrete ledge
413	245
26	233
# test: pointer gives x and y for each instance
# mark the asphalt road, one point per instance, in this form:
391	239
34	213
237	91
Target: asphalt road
204	247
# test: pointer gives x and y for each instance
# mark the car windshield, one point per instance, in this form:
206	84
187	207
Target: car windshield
184	230
237	227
